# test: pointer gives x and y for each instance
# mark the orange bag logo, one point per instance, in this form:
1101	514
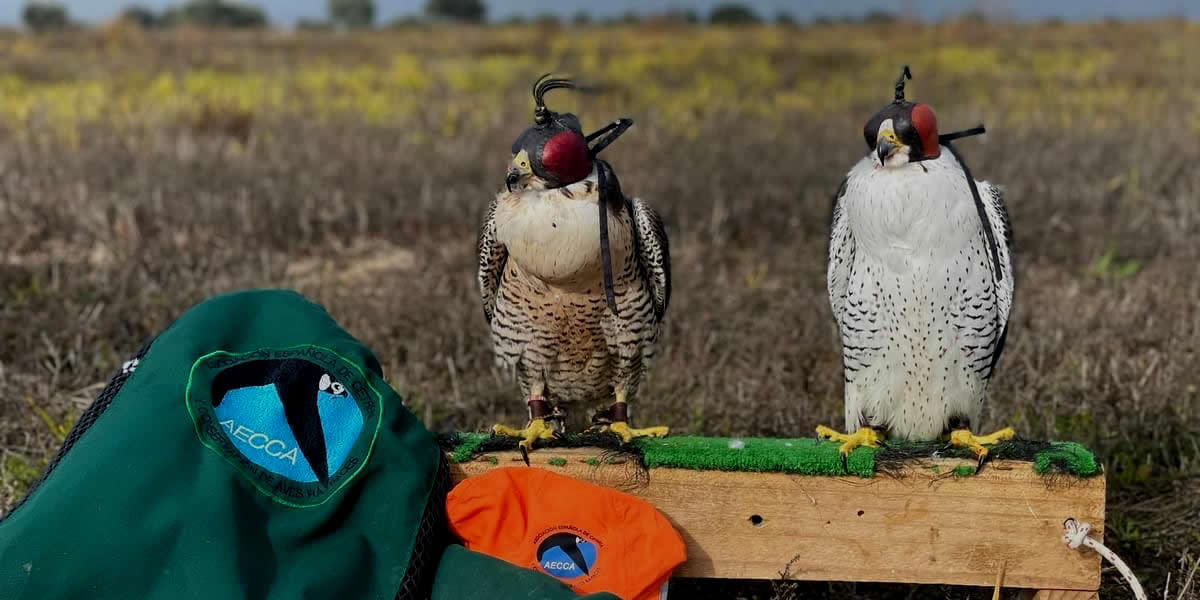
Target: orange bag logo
568	553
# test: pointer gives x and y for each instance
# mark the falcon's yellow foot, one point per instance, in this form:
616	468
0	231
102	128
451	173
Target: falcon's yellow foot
536	430
964	438
627	433
865	436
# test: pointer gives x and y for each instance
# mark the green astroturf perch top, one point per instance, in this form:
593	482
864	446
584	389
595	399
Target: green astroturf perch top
802	456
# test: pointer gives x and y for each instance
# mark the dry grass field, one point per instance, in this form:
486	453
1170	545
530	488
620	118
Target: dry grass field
140	174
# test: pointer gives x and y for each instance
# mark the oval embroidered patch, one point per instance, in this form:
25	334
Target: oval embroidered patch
568	554
299	423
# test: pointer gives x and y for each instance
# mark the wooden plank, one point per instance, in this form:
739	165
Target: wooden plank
920	527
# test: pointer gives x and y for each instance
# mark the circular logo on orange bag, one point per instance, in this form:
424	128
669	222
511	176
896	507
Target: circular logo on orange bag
568	553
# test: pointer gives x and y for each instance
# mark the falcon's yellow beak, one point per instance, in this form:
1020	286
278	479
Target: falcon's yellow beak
520	167
886	144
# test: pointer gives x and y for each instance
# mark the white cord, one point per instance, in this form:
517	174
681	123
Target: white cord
1077	535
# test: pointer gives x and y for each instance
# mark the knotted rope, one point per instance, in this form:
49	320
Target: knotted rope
1077	535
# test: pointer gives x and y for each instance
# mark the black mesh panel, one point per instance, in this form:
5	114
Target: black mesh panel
433	535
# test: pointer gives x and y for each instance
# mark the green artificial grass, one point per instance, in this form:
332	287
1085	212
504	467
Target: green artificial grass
1066	457
803	456
468	445
806	456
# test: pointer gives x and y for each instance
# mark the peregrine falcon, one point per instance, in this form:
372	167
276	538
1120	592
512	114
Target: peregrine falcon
921	284
574	276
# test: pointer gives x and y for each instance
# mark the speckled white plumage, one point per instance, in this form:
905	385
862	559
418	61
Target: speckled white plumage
922	316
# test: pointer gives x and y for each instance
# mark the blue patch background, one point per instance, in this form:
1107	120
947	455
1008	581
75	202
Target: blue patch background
342	421
260	409
556	554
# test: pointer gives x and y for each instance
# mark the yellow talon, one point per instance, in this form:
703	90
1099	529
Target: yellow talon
964	438
536	430
865	436
627	433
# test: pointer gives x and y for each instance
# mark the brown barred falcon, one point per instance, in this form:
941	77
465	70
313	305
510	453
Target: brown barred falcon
576	315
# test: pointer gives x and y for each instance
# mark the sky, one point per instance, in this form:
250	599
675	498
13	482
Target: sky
287	12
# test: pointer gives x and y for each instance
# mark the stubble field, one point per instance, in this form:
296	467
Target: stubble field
140	174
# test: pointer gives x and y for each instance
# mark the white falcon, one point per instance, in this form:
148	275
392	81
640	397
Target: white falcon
921	284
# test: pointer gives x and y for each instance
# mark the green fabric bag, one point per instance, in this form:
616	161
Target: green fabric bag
467	575
252	450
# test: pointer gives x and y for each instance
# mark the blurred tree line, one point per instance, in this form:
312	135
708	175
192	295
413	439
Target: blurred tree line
50	15
45	16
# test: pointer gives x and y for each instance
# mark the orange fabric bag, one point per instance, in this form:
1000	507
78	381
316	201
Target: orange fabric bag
592	538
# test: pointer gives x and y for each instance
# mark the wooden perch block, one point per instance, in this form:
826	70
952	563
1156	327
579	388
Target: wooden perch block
924	526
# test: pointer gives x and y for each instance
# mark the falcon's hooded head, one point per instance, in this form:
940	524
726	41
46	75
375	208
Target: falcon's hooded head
903	132
555	152
552	153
